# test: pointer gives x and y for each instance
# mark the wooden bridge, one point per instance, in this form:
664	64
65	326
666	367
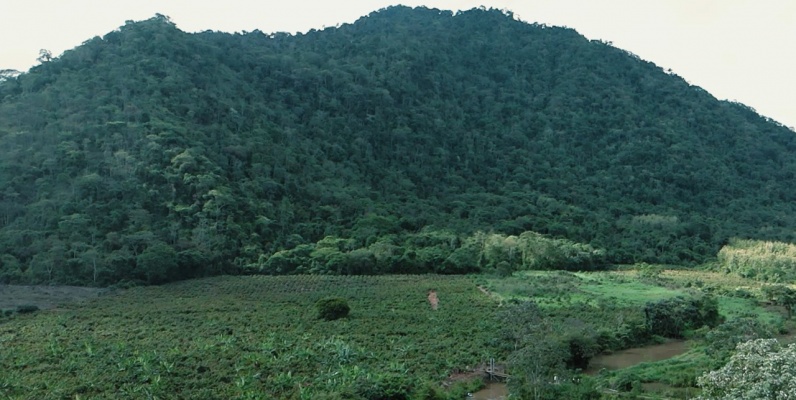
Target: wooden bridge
493	373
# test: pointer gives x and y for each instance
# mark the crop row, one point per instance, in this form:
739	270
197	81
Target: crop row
248	337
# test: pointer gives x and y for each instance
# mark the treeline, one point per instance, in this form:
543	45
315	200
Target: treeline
435	251
228	153
428	251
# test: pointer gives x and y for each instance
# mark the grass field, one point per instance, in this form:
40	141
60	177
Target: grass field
737	296
625	289
549	287
249	337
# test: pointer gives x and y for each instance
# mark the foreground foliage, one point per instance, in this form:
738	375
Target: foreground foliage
253	338
760	369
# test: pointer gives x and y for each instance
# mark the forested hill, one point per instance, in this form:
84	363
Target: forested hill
387	145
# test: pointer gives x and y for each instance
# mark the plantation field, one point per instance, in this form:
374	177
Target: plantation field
13	296
251	337
259	337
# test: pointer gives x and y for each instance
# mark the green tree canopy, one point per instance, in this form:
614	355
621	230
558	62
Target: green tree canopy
412	128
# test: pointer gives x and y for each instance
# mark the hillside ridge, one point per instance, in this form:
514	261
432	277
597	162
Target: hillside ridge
386	145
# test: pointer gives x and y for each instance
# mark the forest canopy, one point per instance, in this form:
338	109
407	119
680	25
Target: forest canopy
403	142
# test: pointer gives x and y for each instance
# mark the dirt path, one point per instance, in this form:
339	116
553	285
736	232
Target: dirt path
433	300
45	297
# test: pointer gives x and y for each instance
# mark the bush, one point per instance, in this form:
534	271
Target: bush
625	381
721	342
387	387
27	308
673	317
332	308
581	350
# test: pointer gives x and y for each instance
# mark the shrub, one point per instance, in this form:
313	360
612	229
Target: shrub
673	317
332	308
27	308
387	387
625	381
581	349
722	341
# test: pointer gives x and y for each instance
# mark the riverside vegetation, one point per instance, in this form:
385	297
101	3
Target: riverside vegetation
558	197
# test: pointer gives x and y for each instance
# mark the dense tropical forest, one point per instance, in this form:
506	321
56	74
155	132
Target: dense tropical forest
530	200
411	141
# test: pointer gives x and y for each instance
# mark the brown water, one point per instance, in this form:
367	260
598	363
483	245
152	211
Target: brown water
492	391
617	360
629	357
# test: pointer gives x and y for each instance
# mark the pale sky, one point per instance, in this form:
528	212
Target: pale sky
740	50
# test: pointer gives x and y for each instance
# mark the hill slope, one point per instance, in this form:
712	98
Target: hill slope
154	154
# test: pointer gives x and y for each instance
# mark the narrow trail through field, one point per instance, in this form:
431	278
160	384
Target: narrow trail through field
433	299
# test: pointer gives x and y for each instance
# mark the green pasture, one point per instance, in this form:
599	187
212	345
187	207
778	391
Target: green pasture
736	296
734	307
557	288
624	290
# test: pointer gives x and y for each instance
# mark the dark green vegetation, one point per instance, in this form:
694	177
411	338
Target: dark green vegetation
253	338
259	337
27	308
23	309
383	146
674	317
409	142
332	308
555	323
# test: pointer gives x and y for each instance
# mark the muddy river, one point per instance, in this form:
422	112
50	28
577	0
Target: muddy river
629	357
492	391
617	360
